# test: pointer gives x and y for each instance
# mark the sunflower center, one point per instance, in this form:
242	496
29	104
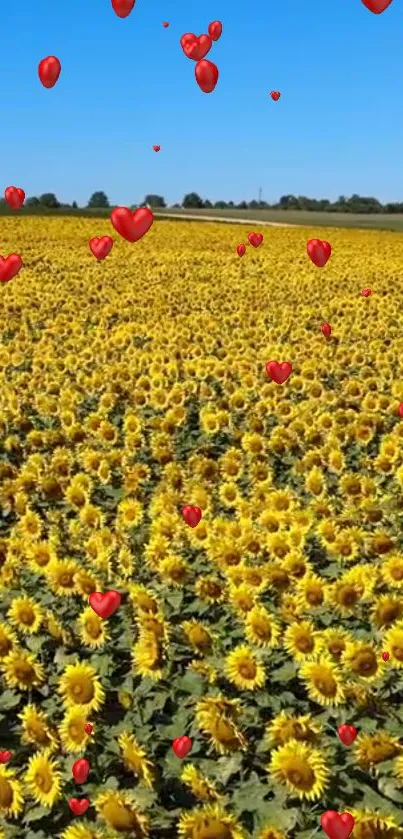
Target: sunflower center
248	669
397	652
315	598
121	817
397	572
305	644
365	663
27	616
326	685
6	793
23	672
300	775
262	630
212	829
44	781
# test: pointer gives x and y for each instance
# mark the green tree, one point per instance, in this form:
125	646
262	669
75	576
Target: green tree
98	200
48	199
32	202
74	205
155	201
192	201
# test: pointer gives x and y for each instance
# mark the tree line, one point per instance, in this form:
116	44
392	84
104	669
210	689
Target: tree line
193	201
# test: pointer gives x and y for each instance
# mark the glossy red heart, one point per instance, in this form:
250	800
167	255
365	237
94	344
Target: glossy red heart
197	48
275	94
326	329
122	7
366	292
79	806
9	267
318	252
255	239
182	746
337	825
279	372
81	769
165	24
400	410
385	656
88	728
105	605
5	756
206	75
347	734
241	249
156	148
192	515
215	30
376	6
132	225
15	197
49	70
100	247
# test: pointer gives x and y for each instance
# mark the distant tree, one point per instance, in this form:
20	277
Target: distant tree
48	199
74	205
155	201
289	202
243	205
32	202
253	205
220	205
207	205
192	201
98	200
176	206
3	202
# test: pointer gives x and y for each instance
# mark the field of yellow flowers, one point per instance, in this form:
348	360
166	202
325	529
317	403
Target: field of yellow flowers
137	385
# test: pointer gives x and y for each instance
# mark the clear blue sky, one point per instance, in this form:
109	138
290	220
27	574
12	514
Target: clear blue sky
126	85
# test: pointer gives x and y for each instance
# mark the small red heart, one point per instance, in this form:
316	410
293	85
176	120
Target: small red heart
326	329
81	769
337	825
5	757
132	225
206	75
215	30
241	249
366	292
105	605
14	196
318	252
275	94
79	806
376	6
347	734
182	746
400	410
192	515
156	148
9	267
101	247
165	24
122	7
255	239
279	373
385	656
49	70
88	728
196	47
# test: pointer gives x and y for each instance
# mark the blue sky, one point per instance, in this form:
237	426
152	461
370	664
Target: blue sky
126	85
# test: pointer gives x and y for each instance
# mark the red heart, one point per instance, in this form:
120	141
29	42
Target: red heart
156	148
347	734
14	196
326	329
5	757
197	48
49	70
279	373
275	94
255	239
376	6
337	825
88	728
79	805
165	24
206	75
122	7
105	605
366	292
215	30
385	656
318	251
400	410
9	267
80	770
192	515
132	225
101	247
241	249
182	746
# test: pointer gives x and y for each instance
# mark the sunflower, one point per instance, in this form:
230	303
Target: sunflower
130	513
302	641
25	614
61	577
370	825
93	630
35	727
217	717
43	779
301	768
209	822
135	758
174	570
311	592
393	642
371	749
270	832
31	525
323	682
148	656
243	669
392	571
386	610
363	660
261	628
71	729
197	635
334	642
80	685
22	670
285	727
201	787
143	599
209	589
121	813
11	794
8	640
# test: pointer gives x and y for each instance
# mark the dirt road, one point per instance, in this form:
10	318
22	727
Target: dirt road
248	221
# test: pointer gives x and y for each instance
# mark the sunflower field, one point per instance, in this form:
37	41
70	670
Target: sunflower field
135	386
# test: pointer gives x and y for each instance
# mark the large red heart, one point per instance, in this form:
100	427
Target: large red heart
195	47
80	770
122	7
275	95
337	825
206	75
192	515
49	70
100	247
79	806
241	249
215	30
14	196
376	6
347	734
318	251
105	605
5	757
9	267
182	746
132	225
279	373
255	239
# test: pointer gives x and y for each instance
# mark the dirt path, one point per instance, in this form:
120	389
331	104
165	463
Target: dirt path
251	222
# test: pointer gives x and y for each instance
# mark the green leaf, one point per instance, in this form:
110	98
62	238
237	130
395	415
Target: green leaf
9	699
191	683
388	788
226	767
35	814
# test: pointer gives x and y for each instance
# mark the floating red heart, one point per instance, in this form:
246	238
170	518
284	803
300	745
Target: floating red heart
196	47
400	410
122	7
326	329
347	734
182	746
275	94
241	249
105	605
15	197
5	756
49	70
318	251
385	656
255	239
279	373
376	6
192	515
81	769
366	292
100	247
165	24
9	267
88	728
337	825
79	806
132	225
215	30
206	75
156	148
